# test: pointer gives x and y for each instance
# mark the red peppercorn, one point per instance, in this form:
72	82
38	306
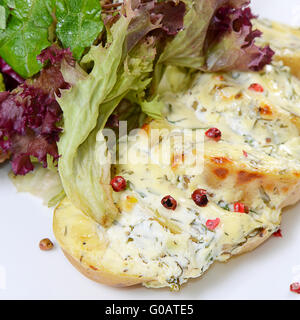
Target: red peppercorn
118	183
212	224
200	198
213	133
169	202
256	87
295	287
240	207
277	233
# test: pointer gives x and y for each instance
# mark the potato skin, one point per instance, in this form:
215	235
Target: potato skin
104	276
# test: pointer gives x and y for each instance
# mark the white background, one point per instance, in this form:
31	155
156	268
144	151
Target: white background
32	274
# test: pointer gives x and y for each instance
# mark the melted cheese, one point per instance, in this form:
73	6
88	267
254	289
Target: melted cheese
262	120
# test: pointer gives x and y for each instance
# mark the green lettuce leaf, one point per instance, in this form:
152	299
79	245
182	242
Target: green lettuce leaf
78	24
26	34
27	27
85	162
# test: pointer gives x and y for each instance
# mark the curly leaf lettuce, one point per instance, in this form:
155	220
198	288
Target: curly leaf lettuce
86	107
30	114
78	24
217	36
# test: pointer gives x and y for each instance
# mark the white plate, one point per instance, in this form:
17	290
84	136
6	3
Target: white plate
28	273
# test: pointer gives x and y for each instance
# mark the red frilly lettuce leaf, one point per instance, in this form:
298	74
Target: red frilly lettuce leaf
163	18
230	42
171	14
29	115
217	36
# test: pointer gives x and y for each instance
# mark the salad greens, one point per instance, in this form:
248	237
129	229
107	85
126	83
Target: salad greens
78	24
215	38
26	34
30	116
26	31
133	53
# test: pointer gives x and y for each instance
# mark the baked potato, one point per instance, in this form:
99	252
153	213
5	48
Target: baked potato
251	171
147	244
